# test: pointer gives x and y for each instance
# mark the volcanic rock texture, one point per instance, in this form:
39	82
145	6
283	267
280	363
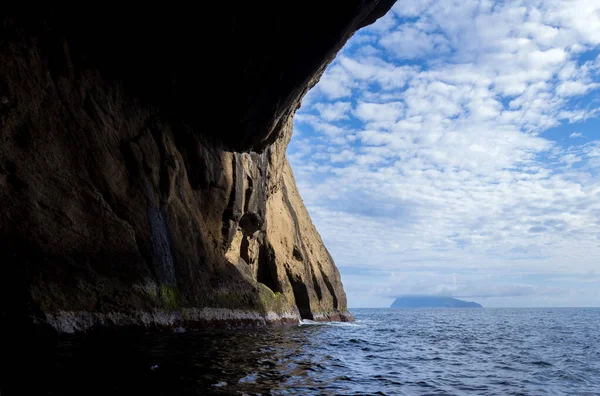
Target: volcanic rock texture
143	176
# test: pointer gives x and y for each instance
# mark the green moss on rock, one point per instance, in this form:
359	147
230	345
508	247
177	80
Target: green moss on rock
169	297
274	301
233	299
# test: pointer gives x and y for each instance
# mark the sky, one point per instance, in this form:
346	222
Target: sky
453	148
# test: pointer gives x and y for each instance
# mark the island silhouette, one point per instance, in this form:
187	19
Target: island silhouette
432	302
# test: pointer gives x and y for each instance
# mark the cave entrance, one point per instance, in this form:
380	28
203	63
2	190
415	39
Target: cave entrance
249	223
300	295
267	269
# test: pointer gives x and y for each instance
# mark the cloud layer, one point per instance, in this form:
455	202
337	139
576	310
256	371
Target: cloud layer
460	137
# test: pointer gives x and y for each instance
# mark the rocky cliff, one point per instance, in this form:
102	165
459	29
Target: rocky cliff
143	176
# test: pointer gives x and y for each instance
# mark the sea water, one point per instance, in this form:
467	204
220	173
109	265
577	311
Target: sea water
384	352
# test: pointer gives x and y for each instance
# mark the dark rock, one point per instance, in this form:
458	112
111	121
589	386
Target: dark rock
143	176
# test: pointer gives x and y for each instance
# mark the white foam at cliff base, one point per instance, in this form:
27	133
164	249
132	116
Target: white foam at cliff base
70	322
308	322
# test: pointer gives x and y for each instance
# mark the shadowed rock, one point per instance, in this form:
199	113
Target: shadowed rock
143	176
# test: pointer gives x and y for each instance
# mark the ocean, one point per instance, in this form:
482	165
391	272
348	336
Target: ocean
541	351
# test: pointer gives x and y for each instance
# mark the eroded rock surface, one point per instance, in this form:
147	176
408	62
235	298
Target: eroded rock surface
143	177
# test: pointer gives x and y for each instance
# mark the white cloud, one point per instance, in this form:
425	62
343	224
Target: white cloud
342	156
382	112
571	88
333	111
409	42
570	159
431	152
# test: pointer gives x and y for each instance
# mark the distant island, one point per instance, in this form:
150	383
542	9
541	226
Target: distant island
432	302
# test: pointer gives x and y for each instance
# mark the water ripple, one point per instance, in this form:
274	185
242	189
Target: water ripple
385	352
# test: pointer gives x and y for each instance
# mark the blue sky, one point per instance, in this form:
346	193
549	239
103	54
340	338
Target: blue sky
453	148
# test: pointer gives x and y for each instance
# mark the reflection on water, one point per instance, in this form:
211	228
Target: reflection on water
216	362
385	352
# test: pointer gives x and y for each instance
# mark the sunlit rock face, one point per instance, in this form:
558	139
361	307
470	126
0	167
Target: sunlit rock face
143	175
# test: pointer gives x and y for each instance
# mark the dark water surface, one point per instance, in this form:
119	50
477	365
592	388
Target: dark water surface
385	352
